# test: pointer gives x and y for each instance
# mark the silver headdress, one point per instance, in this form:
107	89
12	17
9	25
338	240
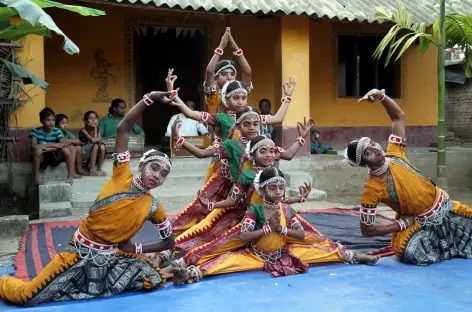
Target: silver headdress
143	160
225	95
359	151
258	186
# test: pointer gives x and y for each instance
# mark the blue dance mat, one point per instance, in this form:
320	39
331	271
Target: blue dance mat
388	286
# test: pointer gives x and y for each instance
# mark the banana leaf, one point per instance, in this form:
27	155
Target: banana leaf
33	13
28	78
18	31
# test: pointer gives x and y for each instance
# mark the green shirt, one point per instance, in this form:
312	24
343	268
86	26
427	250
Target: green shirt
67	135
108	126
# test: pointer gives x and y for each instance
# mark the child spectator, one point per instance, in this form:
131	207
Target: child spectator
47	144
93	150
74	144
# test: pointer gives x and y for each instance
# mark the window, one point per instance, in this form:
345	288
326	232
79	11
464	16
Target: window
358	72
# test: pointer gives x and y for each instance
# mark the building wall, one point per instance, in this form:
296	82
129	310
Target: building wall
459	110
72	89
419	84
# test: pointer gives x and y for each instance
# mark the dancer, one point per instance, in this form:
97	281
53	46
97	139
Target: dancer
101	260
235	96
270	238
263	152
218	73
232	155
429	226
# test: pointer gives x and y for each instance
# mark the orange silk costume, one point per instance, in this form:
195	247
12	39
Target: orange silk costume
407	191
92	266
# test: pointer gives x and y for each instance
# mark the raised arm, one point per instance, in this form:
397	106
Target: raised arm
394	111
210	70
303	130
237	193
245	68
126	125
180	141
288	88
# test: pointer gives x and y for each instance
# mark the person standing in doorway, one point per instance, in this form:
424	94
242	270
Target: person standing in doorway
269	131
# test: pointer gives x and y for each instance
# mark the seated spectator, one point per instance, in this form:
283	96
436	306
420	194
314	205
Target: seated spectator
316	146
93	150
116	113
189	126
48	147
62	122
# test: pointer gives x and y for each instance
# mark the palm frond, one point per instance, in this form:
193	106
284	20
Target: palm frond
403	22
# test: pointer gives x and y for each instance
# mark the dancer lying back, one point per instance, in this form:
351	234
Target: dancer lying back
429	226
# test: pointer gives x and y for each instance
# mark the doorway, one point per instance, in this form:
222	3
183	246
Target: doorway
156	50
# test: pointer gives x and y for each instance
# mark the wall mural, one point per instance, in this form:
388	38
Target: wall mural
102	76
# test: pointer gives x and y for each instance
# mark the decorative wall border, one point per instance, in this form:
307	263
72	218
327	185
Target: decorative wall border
359	29
187	20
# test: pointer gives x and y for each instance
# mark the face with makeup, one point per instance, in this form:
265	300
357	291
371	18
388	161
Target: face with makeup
264	156
274	192
224	76
373	154
154	173
249	126
237	101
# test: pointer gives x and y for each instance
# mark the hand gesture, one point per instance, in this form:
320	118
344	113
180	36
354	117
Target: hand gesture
163	97
304	129
224	39
233	43
95	140
305	190
176	128
289	86
170	79
274	222
372	95
203	198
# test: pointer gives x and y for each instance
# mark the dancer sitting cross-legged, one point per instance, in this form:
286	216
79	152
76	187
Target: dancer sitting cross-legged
430	227
270	238
101	260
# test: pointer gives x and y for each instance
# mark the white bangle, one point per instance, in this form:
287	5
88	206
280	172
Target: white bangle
139	248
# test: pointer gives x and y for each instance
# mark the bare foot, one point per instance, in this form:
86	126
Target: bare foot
41	182
70	181
77	176
101	173
81	172
94	173
180	276
366	259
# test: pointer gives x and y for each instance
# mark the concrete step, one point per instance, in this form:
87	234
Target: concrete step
55	210
297	178
54	192
174	182
315	195
178	165
172	201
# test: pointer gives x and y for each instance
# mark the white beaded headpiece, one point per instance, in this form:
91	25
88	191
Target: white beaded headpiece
256	146
229	65
244	115
359	151
143	160
258	186
225	95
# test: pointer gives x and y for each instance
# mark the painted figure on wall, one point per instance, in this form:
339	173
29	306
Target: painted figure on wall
101	74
